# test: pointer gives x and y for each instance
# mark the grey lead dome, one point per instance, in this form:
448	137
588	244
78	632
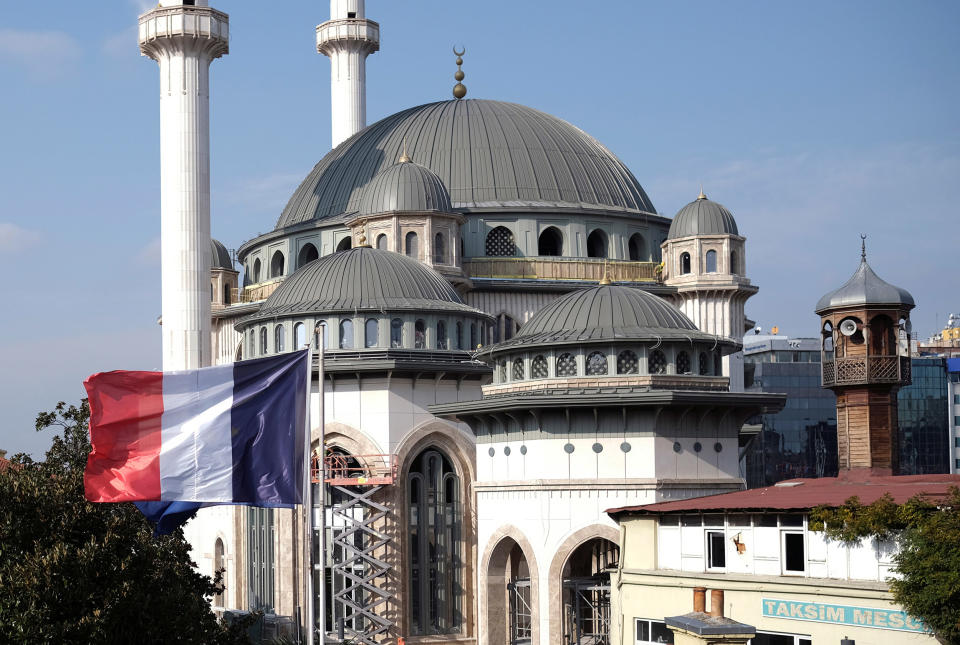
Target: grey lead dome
865	288
487	154
405	186
702	217
219	256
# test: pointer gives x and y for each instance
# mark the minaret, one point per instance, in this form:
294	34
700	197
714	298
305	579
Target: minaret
184	37
865	359
347	38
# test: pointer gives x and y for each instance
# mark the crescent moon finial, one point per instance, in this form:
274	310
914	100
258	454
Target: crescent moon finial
463	50
459	90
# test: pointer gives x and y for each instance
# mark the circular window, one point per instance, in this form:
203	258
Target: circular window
491	452
697	447
597	448
523	450
568	448
676	446
625	447
506	451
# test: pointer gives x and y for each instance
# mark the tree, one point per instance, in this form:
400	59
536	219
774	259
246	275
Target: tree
76	572
927	562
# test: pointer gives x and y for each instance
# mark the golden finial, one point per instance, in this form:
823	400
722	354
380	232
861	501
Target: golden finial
701	195
459	90
403	157
362	241
605	280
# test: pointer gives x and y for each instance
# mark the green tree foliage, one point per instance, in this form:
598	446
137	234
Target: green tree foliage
927	563
76	572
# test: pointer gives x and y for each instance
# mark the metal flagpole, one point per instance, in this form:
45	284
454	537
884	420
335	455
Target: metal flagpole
307	501
322	592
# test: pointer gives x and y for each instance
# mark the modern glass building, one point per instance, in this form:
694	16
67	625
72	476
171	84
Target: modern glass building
925	424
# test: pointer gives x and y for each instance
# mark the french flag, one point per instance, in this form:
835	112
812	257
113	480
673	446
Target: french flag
225	434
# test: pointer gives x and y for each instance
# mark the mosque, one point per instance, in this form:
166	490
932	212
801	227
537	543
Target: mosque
513	340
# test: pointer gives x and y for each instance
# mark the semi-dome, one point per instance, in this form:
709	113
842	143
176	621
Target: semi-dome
219	256
362	279
488	154
865	288
606	313
702	217
405	186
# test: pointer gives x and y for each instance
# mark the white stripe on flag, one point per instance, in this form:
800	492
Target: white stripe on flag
196	455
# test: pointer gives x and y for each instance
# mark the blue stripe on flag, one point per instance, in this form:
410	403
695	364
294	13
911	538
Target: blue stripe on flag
269	411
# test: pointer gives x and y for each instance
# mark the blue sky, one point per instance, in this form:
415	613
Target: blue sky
811	121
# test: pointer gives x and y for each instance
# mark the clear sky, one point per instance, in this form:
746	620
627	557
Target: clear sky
811	121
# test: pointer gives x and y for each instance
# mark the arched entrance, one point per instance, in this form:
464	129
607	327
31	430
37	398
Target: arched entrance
585	592
510	605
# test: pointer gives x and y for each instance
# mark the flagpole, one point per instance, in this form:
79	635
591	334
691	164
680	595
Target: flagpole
307	500
322	592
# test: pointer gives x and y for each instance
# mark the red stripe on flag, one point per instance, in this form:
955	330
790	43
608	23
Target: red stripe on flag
126	409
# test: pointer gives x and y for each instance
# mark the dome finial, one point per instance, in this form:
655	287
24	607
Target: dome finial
863	247
701	195
605	280
403	156
362	241
459	90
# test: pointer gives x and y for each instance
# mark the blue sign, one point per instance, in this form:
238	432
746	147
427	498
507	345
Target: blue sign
841	615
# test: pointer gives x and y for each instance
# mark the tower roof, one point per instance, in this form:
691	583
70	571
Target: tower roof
219	256
405	186
865	288
702	217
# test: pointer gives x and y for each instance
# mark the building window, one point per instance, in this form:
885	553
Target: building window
550	242
260	534
299	336
441	334
459	335
382	242
538	367
627	362
276	265
263	341
518	371
716	550
371	333
638	248
657	363
396	333
346	334
684	263
256	271
704	364
683	363
566	365
473	336
500	242
345	244
436	567
278	339
711	261
734	266
596	364
650	632
251	345
218	566
226	294
717	365
794	559
316	337
439	250
411	246
308	253
420	335
597	244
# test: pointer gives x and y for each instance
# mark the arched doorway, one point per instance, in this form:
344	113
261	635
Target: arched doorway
345	244
638	248
550	242
307	254
511	608
585	592
597	244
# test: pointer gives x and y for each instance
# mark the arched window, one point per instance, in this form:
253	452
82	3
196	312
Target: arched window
504	328
638	248
299	336
627	362
500	242
276	265
371	333
704	364
459	335
411	246
308	253
734	263
256	271
657	363
538	367
597	244
396	333
518	369
263	341
345	244
502	372
278	339
382	242
684	263
473	336
439	249
711	261
226	294
550	242
420	335
251	345
683	363
441	334
326	337
435	517
218	566
346	334
717	365
566	365
596	364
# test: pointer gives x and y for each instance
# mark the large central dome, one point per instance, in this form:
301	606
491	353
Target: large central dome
489	154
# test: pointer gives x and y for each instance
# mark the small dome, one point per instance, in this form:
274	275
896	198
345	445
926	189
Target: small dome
405	186
219	256
362	279
865	288
702	217
605	313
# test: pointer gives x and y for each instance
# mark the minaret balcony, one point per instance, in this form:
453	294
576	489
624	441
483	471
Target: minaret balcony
185	21
335	33
560	269
866	370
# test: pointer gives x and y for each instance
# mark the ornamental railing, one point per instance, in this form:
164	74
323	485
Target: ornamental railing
863	370
579	269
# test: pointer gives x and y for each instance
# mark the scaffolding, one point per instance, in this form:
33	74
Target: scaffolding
359	544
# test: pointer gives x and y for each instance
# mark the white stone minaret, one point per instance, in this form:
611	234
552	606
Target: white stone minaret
184	37
347	38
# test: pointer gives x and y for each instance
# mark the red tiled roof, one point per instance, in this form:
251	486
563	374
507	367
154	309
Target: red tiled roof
804	494
4	463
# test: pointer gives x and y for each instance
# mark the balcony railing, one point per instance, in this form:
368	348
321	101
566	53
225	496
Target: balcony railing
863	370
254	292
540	268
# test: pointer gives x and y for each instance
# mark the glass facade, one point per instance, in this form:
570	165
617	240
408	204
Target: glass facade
924	416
